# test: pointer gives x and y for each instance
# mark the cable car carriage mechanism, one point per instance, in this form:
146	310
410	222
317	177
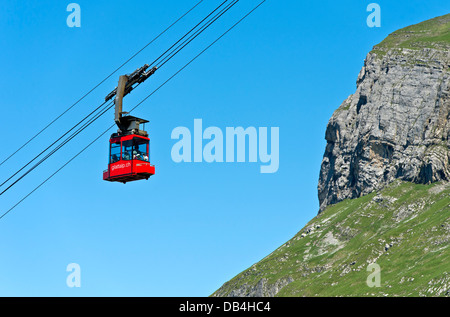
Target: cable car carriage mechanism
129	148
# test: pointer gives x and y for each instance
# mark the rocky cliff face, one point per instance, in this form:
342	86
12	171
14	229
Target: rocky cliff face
392	134
396	125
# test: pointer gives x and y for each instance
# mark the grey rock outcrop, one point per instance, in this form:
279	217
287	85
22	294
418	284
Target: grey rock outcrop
395	126
261	289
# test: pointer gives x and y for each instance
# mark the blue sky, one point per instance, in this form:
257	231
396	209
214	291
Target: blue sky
193	226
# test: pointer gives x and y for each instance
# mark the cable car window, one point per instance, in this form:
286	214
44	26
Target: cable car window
115	152
127	150
140	150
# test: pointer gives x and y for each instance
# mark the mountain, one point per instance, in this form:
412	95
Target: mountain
383	189
404	228
396	125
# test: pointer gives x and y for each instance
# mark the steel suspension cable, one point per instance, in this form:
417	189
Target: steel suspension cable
191	30
195	35
56	141
142	101
46	149
101	82
73	135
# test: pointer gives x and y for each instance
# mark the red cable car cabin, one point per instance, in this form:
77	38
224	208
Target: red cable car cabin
129	159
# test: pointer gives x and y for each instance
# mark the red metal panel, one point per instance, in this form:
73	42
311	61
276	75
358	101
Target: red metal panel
143	167
129	170
120	168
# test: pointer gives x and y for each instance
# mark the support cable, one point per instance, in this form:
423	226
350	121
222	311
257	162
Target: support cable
142	101
90	122
96	86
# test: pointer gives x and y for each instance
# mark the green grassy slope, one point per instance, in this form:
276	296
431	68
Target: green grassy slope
434	33
405	229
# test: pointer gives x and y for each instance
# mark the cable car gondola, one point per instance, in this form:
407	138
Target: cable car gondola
129	148
129	156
